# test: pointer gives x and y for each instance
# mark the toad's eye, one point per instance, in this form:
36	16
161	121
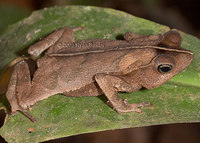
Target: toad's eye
164	68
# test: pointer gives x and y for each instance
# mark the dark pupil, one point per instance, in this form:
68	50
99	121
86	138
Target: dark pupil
164	68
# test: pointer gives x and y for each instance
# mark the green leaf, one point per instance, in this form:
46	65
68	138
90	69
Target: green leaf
10	14
176	101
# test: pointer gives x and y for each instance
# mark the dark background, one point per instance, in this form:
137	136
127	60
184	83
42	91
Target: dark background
179	14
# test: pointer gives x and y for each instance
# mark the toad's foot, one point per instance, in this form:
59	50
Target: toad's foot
132	107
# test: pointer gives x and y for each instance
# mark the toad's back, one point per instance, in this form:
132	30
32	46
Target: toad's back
63	74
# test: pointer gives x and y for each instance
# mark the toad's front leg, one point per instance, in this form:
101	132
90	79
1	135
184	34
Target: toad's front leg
19	88
110	85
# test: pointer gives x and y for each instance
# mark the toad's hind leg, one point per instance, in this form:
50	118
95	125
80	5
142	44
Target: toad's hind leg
19	87
65	34
66	37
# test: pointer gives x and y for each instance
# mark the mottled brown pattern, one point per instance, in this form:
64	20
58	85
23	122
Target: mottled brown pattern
95	66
